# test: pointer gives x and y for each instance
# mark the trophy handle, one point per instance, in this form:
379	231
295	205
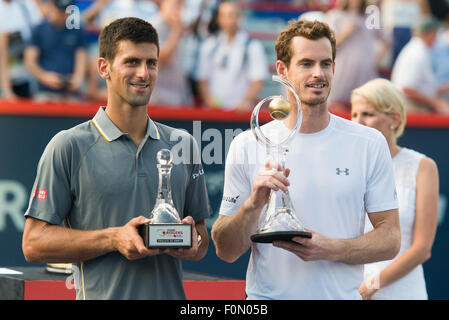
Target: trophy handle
255	127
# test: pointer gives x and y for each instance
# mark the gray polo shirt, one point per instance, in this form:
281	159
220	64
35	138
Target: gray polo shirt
93	176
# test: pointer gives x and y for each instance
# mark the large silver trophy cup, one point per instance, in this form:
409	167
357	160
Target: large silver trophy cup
278	220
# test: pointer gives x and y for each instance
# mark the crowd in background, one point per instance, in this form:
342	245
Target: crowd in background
49	50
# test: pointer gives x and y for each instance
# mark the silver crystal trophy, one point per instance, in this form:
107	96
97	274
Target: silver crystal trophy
165	229
278	220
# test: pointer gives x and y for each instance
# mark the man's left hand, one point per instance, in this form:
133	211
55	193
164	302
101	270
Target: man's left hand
318	247
186	253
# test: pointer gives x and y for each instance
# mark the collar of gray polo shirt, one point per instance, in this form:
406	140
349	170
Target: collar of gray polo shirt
110	131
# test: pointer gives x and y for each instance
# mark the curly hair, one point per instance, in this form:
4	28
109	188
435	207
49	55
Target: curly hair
132	29
312	30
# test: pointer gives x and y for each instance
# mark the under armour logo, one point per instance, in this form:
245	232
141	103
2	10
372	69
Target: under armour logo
340	171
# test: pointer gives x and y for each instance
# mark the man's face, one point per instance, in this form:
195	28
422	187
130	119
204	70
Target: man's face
311	69
229	17
56	15
133	73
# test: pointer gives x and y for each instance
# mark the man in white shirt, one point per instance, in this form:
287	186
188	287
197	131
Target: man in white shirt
339	170
413	73
232	67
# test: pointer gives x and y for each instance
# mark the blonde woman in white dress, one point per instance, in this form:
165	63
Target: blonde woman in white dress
378	104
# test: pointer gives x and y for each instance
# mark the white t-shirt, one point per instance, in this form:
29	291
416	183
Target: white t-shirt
413	68
336	174
226	69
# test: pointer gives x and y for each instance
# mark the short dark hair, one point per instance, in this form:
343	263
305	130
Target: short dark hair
302	28
132	29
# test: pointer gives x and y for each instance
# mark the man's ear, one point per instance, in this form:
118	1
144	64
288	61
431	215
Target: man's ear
281	69
103	68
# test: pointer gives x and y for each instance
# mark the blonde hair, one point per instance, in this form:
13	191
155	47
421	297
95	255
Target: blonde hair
385	97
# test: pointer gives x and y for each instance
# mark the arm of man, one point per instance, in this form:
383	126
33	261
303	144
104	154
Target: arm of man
231	234
206	97
5	80
169	49
49	79
346	32
382	243
171	13
46	243
437	104
94	10
79	69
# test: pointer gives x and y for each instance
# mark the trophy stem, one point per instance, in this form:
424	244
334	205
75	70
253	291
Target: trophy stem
164	189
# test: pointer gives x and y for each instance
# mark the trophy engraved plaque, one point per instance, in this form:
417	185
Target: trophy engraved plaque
165	229
278	220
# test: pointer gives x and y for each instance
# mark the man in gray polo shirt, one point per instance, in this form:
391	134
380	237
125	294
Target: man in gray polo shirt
100	179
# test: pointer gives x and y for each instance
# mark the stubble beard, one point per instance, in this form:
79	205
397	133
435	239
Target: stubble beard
314	101
138	101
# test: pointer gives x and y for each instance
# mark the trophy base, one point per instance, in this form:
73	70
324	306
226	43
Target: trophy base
269	237
166	235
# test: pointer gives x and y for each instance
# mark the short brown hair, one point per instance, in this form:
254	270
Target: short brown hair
302	28
132	29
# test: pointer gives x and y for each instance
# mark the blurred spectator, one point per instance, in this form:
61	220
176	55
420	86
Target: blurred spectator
172	87
440	62
413	71
97	16
56	55
356	60
200	16
103	12
398	17
17	17
316	10
232	67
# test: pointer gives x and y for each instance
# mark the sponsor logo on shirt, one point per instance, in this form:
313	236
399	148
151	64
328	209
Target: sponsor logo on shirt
42	194
230	198
197	174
